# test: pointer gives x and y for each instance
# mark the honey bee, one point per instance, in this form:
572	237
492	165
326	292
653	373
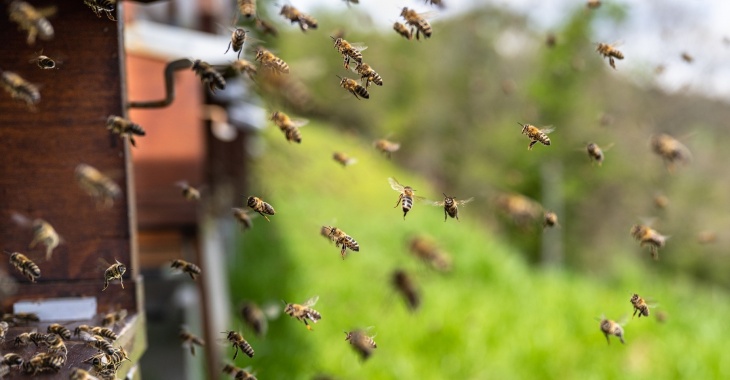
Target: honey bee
610	52
661	201
243	217
288	126
80	374
406	286
100	331
451	206
706	237
113	318
21	317
99	343
438	3
247	8
417	22
12	360
593	4
406	196
32	20
4	326
238	342
24	265
550	219
238	37
551	40
426	250
687	58
343	159
238	373
106	6
348	51
43	62
343	240
19	88
361	342
368	75
60	330
304	311
190	193
609	327
124	127
208	75
671	150
402	30
55	344
113	272
191	340
354	88
536	134
266	28
187	267
242	66
44	361
640	306
31	337
386	146
44	233
271	62
97	185
595	153
647	235
258	205
294	15
255	318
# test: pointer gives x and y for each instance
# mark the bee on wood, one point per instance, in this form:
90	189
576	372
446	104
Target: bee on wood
258	205
343	240
43	62
24	265
190	193
406	197
609	327
416	21
242	66
60	330
294	15
289	126
361	342
238	37
32	20
99	343
97	185
429	253
114	272
18	318
80	374
536	134
12	360
354	88
43	362
349	51
671	150
451	206
106	6
405	285
368	75
113	318
304	311
187	267
208	75
646	235
266	28
247	8
100	331
610	52
402	30
640	306
271	61
238	342
386	146
343	159
34	337
124	127
19	88
550	219
189	339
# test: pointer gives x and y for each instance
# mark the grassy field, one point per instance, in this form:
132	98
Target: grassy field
492	317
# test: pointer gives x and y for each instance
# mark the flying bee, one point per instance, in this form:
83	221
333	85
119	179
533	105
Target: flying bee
416	21
343	240
294	15
190	193
43	232
406	196
208	75
255	318
24	265
344	159
640	306
113	318
402	30
610	52
354	88
247	8
550	219
189	339
368	75
349	51
19	88
595	153
451	206
43	62
97	185
238	342
551	40
243	217
242	66
361	342
266	28
288	126
661	201
593	4
186	267
687	58
106	6
32	20
386	146
649	236
271	61
258	205
437	3
671	150
427	251
238	373
12	360
609	327
238	37
405	285
536	134
304	311
61	330
114	272
124	127
706	237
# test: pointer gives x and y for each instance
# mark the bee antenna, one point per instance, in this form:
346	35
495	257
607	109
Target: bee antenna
520	124
338	76
284	302
332	37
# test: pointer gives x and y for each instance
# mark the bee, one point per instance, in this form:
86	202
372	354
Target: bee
288	126
238	373
190	193
687	58
671	150
4	326
406	286
44	361
12	360
44	233
61	330
343	240
238	37
21	317
27	337
368	75
354	88
706	237
417	22
361	342
43	62
386	146
118	355
294	15
640	305
208	75
116	317
190	340
271	61
80	374
343	159
106	6
100	344
189	268
104	333
258	205
237	341
551	40
55	344
661	201
25	266
97	185
610	52
427	251
595	153
647	235
32	20
438	3
451	206
593	4
304	311
536	134
255	318
247	8
243	217
348	51
550	219
124	127
609	327
113	272
406	196
266	28
242	66
402	30
19	88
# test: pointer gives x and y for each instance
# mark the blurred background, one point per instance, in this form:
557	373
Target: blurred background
519	300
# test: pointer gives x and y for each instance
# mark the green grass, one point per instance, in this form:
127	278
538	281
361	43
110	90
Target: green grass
492	317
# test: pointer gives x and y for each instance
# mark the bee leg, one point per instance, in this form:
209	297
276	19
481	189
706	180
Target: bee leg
131	140
445	215
121	281
399	199
235	353
106	284
192	275
607	340
265	217
229	47
612	62
192	349
532	143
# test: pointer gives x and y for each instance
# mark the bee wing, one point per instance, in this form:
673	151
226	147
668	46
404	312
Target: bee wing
311	302
21	219
298	123
359	46
436	203
182	184
464	201
395	184
428	15
271	310
547	130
